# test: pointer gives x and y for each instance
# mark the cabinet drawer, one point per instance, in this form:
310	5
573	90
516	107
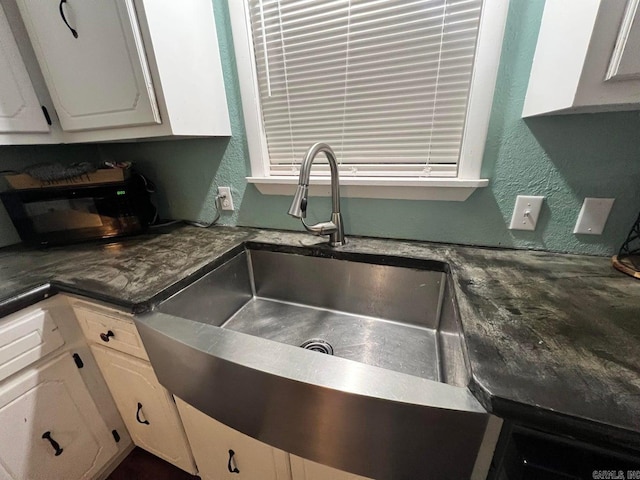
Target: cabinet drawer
105	327
25	337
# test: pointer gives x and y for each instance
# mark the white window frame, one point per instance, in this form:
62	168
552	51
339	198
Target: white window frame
485	71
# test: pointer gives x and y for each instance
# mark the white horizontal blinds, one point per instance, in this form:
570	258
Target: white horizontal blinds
384	82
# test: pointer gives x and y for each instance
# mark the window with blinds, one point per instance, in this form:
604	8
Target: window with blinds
384	82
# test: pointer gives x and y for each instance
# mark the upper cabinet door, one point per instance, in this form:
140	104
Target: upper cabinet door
625	61
93	60
586	58
20	110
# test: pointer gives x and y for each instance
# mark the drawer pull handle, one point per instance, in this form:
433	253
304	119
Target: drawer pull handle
229	464
145	422
54	444
105	336
64	19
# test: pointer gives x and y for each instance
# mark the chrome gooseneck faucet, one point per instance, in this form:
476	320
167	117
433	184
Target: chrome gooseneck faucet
298	208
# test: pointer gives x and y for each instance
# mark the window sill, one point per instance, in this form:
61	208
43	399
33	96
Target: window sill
444	189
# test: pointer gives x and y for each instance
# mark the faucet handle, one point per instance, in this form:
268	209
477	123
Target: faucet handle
322	228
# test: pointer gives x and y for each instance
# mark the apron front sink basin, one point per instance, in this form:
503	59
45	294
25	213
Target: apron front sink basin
351	360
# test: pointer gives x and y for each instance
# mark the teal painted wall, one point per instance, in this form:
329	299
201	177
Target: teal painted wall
564	158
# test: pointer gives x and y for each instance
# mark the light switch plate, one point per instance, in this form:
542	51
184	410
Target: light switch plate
593	216
526	213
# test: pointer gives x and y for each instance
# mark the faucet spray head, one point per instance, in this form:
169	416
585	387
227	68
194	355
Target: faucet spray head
298	207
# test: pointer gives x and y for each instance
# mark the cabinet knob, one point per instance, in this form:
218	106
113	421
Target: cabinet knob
54	444
105	336
231	465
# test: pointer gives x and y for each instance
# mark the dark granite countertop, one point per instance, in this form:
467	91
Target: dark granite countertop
131	273
553	340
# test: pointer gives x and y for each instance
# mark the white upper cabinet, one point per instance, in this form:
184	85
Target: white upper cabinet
93	61
20	110
586	59
126	69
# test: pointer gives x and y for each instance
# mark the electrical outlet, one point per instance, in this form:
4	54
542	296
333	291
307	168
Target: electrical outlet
526	213
227	200
593	216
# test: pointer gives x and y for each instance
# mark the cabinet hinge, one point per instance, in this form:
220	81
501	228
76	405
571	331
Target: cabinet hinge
116	435
46	115
78	360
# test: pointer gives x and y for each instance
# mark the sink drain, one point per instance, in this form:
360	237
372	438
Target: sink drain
318	345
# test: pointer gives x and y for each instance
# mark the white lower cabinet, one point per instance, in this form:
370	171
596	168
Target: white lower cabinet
171	428
302	469
223	453
147	408
25	338
51	428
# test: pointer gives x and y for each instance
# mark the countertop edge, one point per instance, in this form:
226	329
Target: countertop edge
548	420
26	298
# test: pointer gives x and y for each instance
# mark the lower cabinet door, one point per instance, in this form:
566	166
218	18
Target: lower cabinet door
223	453
51	429
302	469
147	408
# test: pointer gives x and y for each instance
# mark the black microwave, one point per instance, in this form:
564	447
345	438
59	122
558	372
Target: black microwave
69	214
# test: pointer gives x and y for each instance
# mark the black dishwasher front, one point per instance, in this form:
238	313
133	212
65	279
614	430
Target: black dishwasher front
528	454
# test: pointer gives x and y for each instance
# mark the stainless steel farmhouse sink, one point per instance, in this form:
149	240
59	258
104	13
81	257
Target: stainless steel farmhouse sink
354	361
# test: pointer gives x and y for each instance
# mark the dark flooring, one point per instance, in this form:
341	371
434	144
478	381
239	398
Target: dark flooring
142	465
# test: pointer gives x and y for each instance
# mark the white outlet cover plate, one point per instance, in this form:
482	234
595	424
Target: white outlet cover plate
526	212
593	216
227	201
